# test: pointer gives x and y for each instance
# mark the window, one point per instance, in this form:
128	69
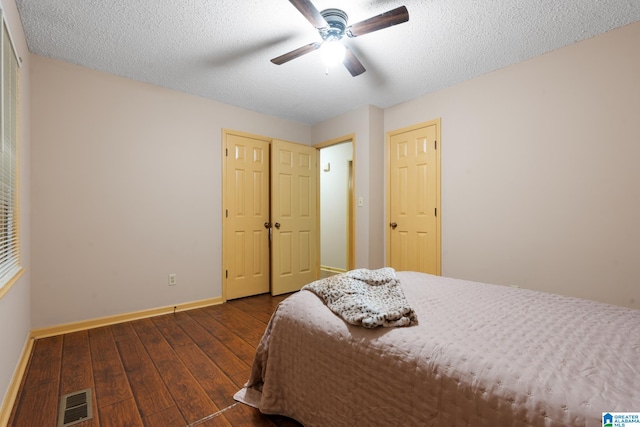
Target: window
9	230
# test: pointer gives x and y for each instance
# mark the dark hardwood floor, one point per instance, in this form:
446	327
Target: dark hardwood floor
178	369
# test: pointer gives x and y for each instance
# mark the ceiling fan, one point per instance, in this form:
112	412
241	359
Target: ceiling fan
332	27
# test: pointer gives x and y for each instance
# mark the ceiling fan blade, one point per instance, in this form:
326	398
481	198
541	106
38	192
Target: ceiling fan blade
378	22
352	63
295	53
310	12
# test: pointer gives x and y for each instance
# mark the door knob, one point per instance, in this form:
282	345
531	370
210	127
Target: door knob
393	225
277	225
267	225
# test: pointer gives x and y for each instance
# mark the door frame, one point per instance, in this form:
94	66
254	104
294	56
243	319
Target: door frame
351	239
387	160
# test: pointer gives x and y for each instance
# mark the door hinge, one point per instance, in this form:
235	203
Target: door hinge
226	152
435	211
226	274
435	145
226	213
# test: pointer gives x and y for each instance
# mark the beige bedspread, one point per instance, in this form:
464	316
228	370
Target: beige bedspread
482	355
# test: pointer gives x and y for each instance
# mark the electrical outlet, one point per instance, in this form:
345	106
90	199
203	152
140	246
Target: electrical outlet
172	280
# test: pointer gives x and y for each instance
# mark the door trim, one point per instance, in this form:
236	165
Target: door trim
437	123
351	244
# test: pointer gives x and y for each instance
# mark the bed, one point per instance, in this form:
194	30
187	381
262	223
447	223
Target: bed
480	355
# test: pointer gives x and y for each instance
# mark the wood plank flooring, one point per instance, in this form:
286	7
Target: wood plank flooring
173	370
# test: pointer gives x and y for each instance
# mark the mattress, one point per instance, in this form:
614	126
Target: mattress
481	355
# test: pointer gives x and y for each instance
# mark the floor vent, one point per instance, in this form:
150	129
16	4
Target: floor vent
75	408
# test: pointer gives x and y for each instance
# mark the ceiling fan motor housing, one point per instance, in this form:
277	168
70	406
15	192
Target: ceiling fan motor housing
337	24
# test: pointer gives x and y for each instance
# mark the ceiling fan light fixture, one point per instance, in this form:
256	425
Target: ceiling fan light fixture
332	26
332	52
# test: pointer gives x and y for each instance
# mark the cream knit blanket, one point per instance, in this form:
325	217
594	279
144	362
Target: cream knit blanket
368	298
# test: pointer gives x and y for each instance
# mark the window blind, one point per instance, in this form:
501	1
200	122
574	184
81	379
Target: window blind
9	231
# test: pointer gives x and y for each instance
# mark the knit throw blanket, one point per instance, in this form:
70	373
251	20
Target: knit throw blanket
368	298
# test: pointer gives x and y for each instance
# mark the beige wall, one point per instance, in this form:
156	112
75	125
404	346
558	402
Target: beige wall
15	309
540	170
127	188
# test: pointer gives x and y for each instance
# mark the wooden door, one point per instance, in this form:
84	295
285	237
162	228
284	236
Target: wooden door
413	198
294	183
246	210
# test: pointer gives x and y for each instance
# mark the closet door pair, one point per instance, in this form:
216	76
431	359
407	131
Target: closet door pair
270	215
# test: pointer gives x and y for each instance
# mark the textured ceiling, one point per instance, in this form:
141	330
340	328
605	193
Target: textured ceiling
221	49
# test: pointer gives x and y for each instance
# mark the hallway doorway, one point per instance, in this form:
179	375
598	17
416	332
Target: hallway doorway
336	171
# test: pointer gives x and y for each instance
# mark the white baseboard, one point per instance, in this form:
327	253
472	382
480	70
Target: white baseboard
14	386
332	269
119	318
